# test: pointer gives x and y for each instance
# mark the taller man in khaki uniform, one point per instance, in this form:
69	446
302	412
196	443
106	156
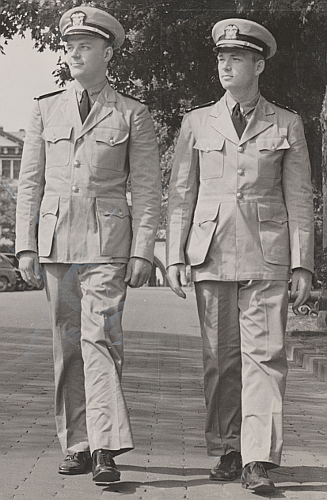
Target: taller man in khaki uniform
81	146
240	213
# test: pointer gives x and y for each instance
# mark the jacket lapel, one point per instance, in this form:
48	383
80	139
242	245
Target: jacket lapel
102	107
222	121
70	108
262	119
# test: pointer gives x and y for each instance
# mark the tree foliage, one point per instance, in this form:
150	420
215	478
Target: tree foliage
8	193
167	59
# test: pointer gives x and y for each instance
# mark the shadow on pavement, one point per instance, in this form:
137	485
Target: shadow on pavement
131	487
171	471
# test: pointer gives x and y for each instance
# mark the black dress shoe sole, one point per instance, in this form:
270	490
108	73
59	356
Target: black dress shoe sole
71	472
225	477
106	476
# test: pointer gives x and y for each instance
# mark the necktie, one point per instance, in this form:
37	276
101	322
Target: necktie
84	105
238	120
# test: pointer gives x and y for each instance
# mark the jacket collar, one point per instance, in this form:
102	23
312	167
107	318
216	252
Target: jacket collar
261	119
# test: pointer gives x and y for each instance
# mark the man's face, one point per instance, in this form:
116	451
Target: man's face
238	70
87	57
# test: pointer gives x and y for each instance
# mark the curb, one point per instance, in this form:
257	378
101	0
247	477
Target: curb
312	361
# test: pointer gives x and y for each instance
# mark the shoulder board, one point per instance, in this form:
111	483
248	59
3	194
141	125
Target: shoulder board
44	96
284	107
131	97
200	106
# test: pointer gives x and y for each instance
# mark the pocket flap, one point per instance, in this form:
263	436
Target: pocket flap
272	143
55	134
109	207
275	212
111	136
208	145
206	212
49	205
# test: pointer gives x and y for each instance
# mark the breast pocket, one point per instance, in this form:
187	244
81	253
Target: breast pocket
270	153
110	148
58	146
211	157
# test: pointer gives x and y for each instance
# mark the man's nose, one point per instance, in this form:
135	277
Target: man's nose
75	54
226	65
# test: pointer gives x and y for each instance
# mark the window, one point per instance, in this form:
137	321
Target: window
6	164
16	168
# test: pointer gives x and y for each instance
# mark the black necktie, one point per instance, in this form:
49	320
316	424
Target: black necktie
84	105
238	120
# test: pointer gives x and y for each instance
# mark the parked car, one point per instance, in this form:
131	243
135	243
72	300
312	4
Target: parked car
21	285
8	275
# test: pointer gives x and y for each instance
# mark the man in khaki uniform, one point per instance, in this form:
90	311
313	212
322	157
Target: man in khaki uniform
81	146
241	214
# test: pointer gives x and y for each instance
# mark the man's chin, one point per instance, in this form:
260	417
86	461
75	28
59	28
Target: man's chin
226	85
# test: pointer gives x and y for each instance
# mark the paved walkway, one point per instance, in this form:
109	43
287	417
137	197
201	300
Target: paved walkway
163	387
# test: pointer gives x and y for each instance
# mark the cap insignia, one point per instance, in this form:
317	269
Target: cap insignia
231	32
78	18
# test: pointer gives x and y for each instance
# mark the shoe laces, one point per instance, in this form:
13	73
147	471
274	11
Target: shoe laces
229	458
259	467
104	458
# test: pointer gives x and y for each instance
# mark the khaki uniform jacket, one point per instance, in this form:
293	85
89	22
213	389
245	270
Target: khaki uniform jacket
72	205
241	208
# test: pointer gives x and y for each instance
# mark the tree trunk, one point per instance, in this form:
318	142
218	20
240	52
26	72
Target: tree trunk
322	315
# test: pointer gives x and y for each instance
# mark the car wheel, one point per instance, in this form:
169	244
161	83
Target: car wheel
20	286
11	287
3	283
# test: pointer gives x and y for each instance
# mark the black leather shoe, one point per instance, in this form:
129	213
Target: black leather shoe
228	468
104	468
77	463
255	478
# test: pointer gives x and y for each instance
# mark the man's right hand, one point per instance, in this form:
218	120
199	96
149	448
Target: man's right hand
30	268
176	276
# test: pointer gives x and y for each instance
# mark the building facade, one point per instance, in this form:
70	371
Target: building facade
11	148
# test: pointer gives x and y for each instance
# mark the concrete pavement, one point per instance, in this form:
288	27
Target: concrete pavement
163	388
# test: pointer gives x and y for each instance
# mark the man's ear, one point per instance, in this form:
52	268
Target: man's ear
109	52
260	66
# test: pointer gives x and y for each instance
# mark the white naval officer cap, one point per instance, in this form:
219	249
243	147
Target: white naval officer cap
85	20
244	34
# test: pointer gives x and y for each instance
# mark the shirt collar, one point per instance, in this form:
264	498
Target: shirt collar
93	92
246	106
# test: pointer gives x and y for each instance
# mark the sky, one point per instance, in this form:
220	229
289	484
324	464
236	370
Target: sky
25	73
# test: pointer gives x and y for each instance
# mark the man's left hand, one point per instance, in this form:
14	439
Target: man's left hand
301	287
138	272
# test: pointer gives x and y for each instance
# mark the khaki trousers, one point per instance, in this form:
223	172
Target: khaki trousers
86	305
245	366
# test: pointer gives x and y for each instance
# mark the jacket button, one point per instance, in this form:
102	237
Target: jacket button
75	189
240	171
239	195
79	140
77	164
207	150
240	149
111	142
